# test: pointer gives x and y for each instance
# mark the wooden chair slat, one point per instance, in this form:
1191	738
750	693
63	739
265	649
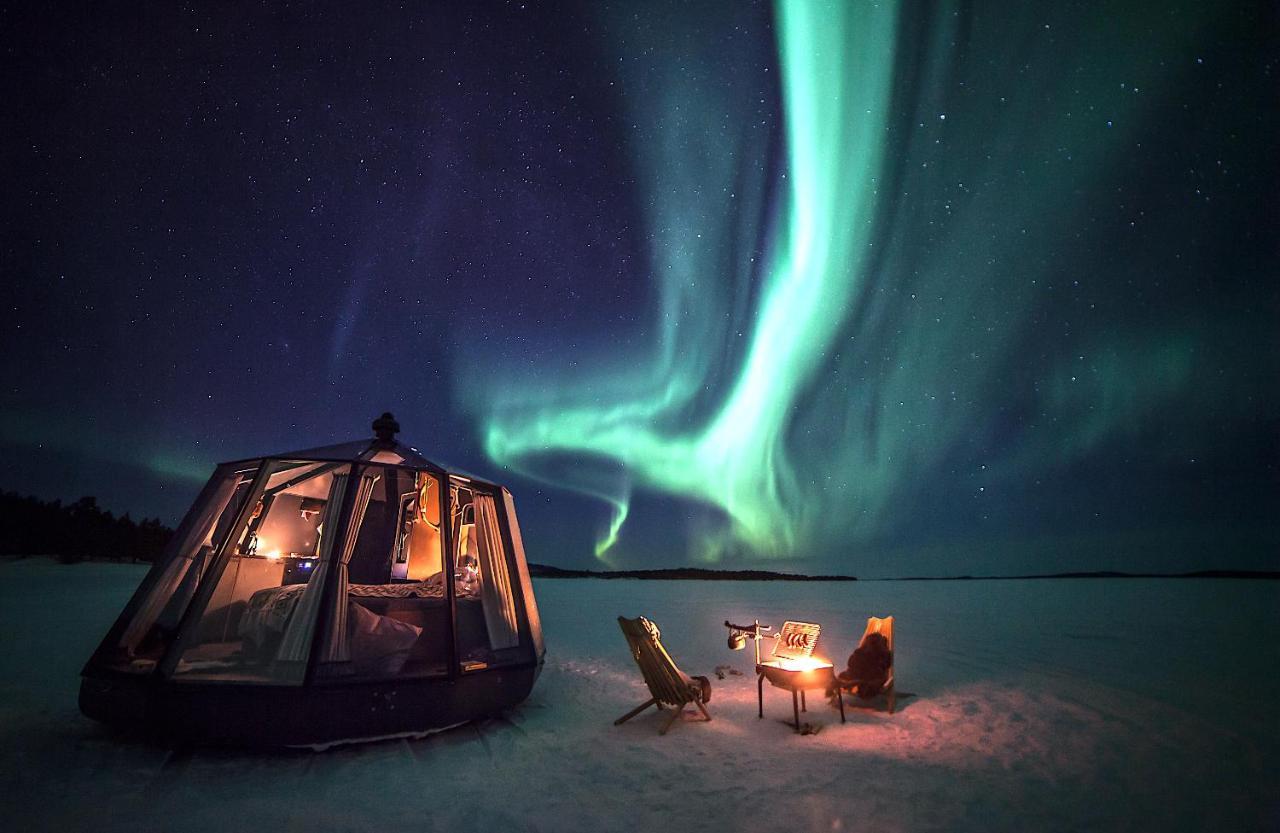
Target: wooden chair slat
665	681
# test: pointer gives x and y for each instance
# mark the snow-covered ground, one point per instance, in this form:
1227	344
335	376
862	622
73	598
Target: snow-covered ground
1040	705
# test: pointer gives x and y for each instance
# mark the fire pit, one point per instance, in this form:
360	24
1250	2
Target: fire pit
792	665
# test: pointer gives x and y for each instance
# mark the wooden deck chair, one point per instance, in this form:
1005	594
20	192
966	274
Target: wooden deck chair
883	627
667	683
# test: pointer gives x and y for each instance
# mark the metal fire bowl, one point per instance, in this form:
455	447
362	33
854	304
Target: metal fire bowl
821	677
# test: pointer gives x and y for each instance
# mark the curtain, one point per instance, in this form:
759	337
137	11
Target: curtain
522	573
495	578
177	568
338	648
296	643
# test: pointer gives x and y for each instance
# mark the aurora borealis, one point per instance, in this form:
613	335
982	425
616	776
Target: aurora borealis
892	301
835	89
887	288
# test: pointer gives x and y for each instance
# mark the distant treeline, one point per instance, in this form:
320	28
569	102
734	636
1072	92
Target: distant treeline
1228	573
679	574
76	531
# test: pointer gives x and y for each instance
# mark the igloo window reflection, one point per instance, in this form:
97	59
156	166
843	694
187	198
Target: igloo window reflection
258	618
155	622
396	620
390	616
486	636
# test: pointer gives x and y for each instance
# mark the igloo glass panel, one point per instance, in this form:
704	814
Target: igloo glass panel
487	618
391	617
258	621
155	622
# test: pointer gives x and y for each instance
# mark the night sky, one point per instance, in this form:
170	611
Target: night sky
883	289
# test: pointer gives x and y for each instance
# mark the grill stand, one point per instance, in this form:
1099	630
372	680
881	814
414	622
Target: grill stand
797	682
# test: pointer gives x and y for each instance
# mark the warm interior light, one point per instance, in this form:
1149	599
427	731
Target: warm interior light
274	555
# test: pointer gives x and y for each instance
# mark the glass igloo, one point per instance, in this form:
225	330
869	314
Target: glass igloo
348	592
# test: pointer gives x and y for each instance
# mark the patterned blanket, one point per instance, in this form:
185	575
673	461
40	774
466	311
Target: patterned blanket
432	588
268	611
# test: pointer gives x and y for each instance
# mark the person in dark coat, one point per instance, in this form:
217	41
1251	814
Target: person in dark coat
869	666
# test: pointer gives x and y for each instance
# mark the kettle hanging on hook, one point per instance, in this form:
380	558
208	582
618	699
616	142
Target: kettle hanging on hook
739	634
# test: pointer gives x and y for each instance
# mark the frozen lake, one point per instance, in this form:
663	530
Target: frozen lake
1040	705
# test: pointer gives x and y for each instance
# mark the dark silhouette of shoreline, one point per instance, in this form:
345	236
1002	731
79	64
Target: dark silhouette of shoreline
678	574
699	574
76	531
82	531
1250	574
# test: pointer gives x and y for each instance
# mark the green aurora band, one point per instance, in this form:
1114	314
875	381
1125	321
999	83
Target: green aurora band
833	363
835	131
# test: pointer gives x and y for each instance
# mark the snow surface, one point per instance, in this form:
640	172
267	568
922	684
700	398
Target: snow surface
1040	705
